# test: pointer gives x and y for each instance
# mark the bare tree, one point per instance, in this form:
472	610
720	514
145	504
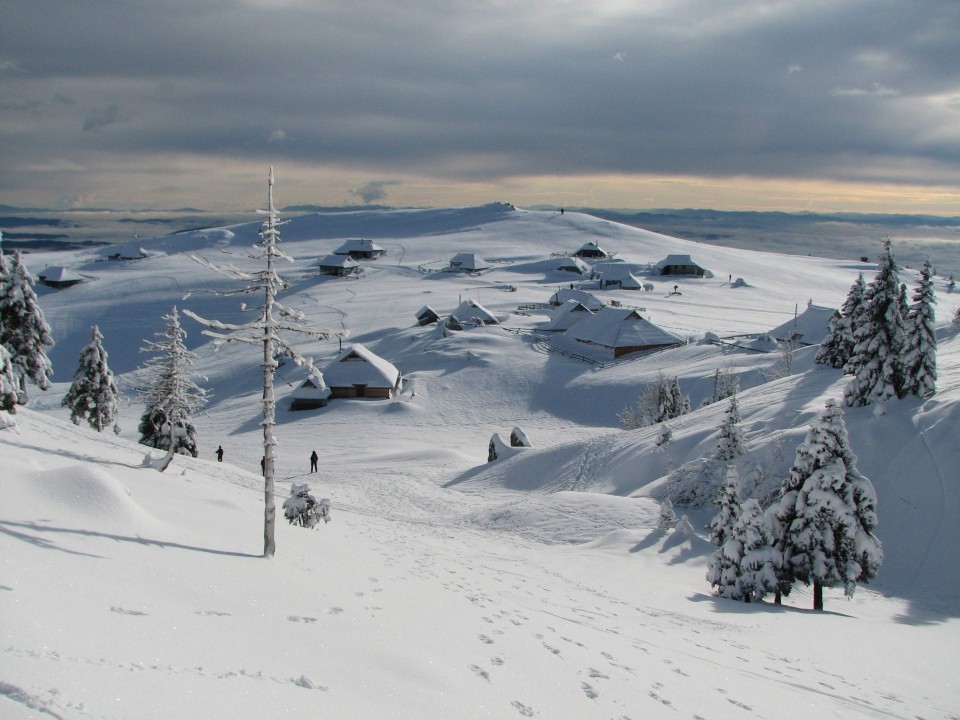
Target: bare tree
267	330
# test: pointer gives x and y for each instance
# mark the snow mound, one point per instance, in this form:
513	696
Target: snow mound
88	491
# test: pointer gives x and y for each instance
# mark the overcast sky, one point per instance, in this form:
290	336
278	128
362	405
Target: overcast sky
739	104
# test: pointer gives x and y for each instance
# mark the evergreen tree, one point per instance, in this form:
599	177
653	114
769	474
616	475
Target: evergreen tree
826	516
759	561
728	500
725	384
833	349
679	403
730	444
660	400
852	312
93	396
23	328
173	397
920	348
723	568
8	383
879	338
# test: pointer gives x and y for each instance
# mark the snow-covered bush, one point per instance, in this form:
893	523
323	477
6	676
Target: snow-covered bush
668	517
303	509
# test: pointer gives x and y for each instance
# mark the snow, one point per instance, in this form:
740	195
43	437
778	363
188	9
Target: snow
538	585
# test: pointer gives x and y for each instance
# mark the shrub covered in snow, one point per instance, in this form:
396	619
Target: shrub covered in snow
303	509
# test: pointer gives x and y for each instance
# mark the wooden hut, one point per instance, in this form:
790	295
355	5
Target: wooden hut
359	373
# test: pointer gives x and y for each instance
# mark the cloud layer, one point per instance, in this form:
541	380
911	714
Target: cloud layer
174	99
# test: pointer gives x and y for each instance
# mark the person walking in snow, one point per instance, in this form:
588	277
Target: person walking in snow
313	461
220	453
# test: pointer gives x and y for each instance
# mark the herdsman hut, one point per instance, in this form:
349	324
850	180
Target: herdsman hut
620	331
360	249
59	277
312	393
591	250
467	262
339	266
359	373
680	265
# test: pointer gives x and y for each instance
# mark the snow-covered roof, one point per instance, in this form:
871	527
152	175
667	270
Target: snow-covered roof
311	389
567	315
339	261
357	365
572	264
471	311
684	260
809	327
616	327
619	273
59	274
358	245
588	300
592	247
468	261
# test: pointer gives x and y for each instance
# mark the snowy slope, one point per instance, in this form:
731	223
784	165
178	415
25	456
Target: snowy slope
533	586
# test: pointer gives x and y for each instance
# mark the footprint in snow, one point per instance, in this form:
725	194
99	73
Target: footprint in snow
485	639
299	619
524	710
480	672
589	691
495	660
114	608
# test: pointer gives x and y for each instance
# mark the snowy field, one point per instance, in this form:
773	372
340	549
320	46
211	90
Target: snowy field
445	586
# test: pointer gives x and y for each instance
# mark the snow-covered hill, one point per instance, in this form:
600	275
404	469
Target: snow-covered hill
536	585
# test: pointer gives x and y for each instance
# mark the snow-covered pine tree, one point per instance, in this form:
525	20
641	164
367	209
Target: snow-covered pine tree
879	339
660	400
730	444
826	517
727	500
93	396
760	560
23	329
172	397
723	568
833	348
8	383
267	330
920	348
852	312
679	403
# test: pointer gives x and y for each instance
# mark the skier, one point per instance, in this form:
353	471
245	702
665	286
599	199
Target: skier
220	453
313	461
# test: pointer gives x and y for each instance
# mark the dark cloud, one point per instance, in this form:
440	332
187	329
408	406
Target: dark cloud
470	91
